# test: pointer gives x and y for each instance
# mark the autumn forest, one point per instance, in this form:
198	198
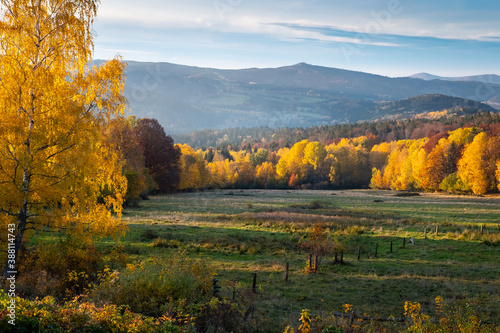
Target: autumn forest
444	155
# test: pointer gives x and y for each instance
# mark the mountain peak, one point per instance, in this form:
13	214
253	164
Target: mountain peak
425	76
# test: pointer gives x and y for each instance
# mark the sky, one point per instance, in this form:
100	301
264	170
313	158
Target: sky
387	37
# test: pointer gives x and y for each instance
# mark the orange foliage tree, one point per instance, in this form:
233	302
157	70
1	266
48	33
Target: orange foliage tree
121	134
318	245
161	157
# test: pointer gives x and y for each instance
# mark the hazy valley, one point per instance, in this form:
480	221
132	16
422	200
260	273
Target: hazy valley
185	98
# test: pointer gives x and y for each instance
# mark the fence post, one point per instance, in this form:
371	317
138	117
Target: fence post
254	285
359	252
286	271
376	249
391	246
437	229
215	287
404	242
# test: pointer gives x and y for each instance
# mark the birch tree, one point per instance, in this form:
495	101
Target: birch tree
54	163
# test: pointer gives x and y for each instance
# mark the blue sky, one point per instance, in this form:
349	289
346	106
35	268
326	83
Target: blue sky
387	37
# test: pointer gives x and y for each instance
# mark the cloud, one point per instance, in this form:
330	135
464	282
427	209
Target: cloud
379	20
255	33
365	37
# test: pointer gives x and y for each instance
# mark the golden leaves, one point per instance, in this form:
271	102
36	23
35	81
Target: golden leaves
53	155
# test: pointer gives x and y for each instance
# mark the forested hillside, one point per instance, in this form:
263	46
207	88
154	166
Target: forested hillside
185	98
270	138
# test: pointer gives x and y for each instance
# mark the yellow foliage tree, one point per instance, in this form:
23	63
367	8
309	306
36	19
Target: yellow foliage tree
265	173
223	173
194	173
281	167
412	163
54	162
471	166
377	181
379	154
314	154
440	163
293	163
244	168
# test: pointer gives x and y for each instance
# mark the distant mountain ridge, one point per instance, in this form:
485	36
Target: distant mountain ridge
486	78
430	106
186	98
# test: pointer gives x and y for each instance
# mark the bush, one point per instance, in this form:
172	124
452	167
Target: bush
173	286
47	315
221	316
63	269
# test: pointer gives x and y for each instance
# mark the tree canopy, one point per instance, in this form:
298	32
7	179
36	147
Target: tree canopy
57	172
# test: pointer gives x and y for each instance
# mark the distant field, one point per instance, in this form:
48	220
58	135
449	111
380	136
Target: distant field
257	231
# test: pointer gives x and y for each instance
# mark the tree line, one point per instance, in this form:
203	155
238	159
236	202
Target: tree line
389	130
463	160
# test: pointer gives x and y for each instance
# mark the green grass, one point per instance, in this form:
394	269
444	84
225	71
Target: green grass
257	231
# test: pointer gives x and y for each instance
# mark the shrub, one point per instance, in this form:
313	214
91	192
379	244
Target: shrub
219	315
173	286
47	315
149	234
63	269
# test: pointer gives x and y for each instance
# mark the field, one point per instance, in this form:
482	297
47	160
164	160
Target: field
242	232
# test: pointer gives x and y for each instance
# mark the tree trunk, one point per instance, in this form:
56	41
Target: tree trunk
11	261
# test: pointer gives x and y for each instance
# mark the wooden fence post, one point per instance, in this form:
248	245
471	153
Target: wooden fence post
359	252
286	271
404	242
254	285
391	246
425	233
376	249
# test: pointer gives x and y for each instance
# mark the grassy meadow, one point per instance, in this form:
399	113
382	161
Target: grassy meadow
242	232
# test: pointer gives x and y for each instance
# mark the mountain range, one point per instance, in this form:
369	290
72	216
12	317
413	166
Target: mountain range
186	98
486	78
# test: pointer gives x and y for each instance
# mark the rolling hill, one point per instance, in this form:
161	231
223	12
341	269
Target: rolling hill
185	98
